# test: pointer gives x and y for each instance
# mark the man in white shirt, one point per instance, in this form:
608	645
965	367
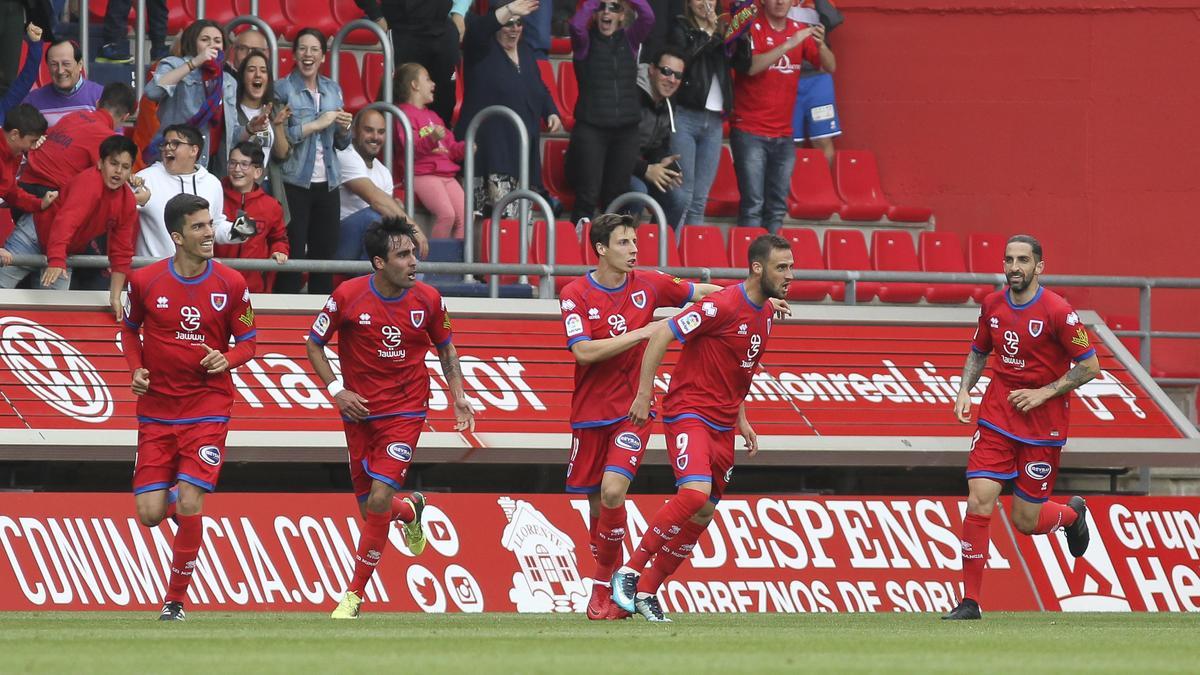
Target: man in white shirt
366	189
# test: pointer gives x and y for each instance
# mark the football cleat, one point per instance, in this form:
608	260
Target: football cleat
649	608
1077	532
967	610
414	534
624	590
172	611
348	607
600	603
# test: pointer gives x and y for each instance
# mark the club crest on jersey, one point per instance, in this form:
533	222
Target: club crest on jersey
400	451
681	462
1038	470
210	455
1035	327
218	300
628	441
639	299
1072	319
417	316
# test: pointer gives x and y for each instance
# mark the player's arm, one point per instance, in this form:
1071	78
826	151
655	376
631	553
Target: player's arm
131	345
350	404
656	349
464	414
972	370
115	285
593	351
1081	373
747	431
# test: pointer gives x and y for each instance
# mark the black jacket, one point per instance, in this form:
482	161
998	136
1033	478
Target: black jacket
415	17
705	57
608	93
655	127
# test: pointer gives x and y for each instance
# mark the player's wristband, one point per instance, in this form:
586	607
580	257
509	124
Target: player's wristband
335	388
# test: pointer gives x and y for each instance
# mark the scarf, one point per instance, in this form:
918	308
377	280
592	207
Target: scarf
210	118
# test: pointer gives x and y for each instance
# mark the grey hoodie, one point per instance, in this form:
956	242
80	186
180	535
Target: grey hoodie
655	127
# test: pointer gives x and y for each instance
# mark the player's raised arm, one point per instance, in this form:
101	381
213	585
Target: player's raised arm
656	349
464	413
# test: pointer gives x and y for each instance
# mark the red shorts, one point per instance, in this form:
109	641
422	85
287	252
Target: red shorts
167	453
700	453
381	449
617	447
1033	467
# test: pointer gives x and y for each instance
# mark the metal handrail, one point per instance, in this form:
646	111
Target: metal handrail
335	51
265	28
139	53
85	20
660	217
469	176
409	141
200	9
546	286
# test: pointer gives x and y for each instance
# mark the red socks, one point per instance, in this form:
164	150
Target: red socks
975	549
608	535
370	550
183	560
1053	516
668	522
672	555
402	510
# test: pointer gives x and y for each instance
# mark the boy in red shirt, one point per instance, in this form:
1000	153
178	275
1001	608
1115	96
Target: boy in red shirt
245	199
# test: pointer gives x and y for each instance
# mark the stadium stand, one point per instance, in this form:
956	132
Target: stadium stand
648	247
806	253
847	250
985	255
942	252
893	251
812	195
856	174
566	249
723	197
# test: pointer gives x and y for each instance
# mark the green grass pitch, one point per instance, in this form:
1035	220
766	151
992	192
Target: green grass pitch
212	642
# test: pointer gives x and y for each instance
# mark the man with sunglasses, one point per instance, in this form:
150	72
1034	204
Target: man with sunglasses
656	171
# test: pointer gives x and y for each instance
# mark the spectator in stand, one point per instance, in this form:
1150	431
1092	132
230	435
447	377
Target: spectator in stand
177	173
536	26
249	40
815	118
116	31
316	130
704	100
656	171
68	90
604	142
73	145
191	89
245	200
437	156
500	69
24	126
367	187
19	88
254	114
764	96
97	203
427	32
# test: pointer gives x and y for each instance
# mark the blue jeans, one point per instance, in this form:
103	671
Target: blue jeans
697	141
764	172
24	241
667	200
350	236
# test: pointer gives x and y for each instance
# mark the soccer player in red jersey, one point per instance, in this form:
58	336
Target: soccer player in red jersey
186	309
386	322
607	316
1022	423
724	338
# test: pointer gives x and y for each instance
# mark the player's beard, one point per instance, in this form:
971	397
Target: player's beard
776	291
1019	286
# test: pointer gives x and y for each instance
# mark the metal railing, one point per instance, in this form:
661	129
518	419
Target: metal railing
546	286
469	177
659	216
409	140
335	51
266	30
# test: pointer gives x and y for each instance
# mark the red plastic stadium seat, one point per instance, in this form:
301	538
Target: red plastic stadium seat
566	249
740	239
287	61
723	197
985	255
510	245
856	175
586	252
221	11
568	93
305	14
270	11
345	11
459	94
560	45
554	172
806	253
893	251
179	15
648	247
847	250
372	75
702	246
942	252
354	98
812	195
547	70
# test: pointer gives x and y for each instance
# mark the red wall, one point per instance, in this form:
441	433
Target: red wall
1075	122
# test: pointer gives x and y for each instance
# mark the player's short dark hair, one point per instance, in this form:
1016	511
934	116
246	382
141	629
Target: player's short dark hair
117	98
179	208
603	227
1027	239
26	119
116	144
760	249
377	240
190	133
253	151
76	50
668	51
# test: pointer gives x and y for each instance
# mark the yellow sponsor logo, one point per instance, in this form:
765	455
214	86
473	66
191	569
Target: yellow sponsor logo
676	280
247	317
446	322
1081	338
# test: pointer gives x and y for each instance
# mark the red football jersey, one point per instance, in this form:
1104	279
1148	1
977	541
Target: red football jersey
382	343
763	103
724	337
604	391
1035	344
176	315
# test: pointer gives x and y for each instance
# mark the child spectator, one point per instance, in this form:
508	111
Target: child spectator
437	156
244	199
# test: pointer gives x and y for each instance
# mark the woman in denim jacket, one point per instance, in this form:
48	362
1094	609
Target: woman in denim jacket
191	89
317	129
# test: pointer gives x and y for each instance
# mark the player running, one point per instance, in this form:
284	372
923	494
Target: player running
1024	416
723	338
180	315
386	322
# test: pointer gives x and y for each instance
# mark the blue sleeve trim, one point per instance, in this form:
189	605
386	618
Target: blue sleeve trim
381	478
1086	355
131	324
153	487
694	478
675	330
690	296
576	339
620	470
589	490
992	474
186	420
1026	497
977	350
448	340
312	335
245	336
1026	441
204	485
694	416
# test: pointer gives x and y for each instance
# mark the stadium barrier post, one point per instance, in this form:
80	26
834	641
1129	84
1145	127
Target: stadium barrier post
469	179
659	215
389	72
546	286
139	53
84	26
